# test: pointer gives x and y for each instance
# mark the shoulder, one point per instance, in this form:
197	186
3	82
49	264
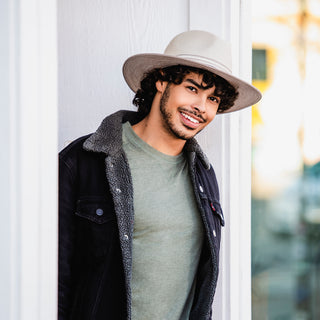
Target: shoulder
74	158
72	152
73	148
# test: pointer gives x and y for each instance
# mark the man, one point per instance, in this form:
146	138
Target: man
139	209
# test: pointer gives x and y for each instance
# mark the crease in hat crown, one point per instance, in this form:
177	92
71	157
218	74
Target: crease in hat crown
195	48
202	47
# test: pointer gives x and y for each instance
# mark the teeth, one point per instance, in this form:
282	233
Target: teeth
190	118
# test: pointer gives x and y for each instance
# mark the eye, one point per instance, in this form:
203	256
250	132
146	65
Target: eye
191	88
215	99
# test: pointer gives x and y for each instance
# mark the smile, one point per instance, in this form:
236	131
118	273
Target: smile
190	118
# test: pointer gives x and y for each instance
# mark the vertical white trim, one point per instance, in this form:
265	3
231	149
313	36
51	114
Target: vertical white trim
14	240
228	145
48	142
38	165
33	159
234	192
245	71
239	136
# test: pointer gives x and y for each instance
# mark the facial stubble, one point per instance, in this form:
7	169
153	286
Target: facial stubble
168	120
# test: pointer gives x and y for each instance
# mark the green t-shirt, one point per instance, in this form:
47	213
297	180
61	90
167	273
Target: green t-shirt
168	232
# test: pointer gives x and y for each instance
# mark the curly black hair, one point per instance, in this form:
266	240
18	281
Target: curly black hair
175	74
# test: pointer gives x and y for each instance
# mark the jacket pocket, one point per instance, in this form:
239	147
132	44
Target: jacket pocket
97	227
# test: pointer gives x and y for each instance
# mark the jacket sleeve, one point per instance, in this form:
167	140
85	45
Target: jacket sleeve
67	203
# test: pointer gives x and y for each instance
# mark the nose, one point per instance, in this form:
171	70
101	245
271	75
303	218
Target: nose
199	104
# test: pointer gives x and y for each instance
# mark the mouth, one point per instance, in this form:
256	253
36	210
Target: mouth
190	120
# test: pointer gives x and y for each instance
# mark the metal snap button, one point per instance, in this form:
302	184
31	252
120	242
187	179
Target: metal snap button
99	212
126	237
200	188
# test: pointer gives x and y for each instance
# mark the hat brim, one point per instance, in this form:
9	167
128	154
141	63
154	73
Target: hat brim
135	68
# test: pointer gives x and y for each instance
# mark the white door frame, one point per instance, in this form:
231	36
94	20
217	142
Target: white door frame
30	105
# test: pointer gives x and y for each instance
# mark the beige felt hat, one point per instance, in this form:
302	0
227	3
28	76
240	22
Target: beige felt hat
198	49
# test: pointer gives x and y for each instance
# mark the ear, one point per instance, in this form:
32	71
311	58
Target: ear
161	85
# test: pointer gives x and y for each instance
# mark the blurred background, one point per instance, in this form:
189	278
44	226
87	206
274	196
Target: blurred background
286	160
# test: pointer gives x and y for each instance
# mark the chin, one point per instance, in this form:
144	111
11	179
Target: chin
184	134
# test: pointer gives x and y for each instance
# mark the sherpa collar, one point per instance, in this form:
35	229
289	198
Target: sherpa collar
108	137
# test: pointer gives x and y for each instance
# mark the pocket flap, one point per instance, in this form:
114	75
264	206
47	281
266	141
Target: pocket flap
96	210
217	210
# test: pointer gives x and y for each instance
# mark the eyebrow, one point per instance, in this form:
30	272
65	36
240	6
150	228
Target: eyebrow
200	86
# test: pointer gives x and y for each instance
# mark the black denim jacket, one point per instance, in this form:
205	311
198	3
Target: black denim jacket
96	225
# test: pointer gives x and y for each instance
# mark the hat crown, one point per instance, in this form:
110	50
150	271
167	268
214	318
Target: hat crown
202	45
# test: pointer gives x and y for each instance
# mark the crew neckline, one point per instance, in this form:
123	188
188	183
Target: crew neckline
133	138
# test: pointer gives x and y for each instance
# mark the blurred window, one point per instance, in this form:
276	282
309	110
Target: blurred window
259	64
286	161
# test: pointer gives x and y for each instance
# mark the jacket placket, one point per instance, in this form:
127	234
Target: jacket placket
197	188
122	193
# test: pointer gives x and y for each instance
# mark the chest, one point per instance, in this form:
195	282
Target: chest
163	198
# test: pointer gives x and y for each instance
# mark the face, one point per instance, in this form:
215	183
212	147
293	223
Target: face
189	107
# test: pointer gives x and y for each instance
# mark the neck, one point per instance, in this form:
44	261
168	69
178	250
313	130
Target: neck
151	131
